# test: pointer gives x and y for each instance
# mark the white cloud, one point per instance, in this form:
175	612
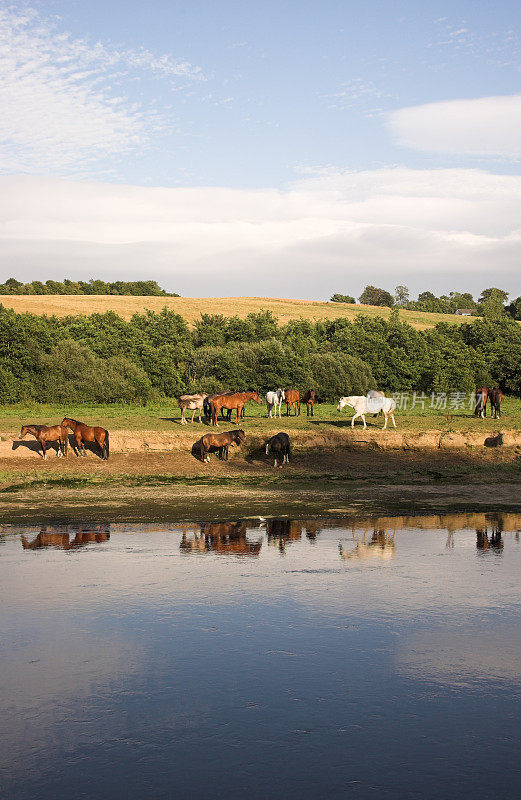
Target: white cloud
486	126
61	99
437	229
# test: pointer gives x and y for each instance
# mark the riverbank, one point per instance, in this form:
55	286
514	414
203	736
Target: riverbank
175	485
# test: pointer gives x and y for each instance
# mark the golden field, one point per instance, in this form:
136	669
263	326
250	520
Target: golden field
192	307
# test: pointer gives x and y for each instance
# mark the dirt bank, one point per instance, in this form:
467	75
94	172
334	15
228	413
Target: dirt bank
179	440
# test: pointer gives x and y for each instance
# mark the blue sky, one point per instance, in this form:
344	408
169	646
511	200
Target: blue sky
346	143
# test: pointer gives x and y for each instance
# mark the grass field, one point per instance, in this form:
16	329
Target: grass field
192	307
165	416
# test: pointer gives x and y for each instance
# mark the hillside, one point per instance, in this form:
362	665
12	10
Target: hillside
192	307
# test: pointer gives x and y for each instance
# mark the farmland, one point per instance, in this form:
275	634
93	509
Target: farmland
191	308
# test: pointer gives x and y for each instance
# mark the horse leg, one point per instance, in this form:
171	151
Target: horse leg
43	449
385	421
298	404
393	419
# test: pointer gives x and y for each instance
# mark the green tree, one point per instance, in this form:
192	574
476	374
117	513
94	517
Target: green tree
342	298
401	296
373	296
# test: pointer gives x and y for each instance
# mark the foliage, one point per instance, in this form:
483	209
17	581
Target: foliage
372	296
342	298
103	358
137	288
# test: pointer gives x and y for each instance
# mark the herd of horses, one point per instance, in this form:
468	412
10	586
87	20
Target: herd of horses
81	433
224	403
210	405
494	396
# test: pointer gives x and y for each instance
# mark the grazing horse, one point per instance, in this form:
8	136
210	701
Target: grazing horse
496	396
309	399
193	403
228	415
222	441
481	402
86	433
279	445
237	400
292	398
275	400
44	434
362	406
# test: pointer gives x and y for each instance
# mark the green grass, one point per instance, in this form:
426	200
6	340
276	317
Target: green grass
165	416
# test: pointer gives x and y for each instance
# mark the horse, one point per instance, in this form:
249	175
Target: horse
222	441
237	400
309	399
193	403
496	396
374	393
481	405
275	400
207	409
292	398
86	433
279	445
363	405
45	433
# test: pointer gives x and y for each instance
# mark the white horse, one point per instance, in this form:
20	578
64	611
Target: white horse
193	403
274	400
363	405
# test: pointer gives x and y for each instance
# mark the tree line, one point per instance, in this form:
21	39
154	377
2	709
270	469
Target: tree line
491	302
136	288
103	358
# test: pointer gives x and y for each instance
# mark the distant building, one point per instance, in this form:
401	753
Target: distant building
465	312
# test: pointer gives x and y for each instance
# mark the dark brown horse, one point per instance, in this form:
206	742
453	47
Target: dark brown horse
495	396
237	400
292	398
44	434
87	433
310	400
220	441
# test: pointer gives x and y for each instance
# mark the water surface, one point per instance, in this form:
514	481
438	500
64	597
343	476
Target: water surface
262	659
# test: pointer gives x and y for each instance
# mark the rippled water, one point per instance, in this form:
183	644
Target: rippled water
309	659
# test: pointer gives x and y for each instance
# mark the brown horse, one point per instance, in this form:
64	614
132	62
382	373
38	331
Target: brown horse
44	434
292	398
221	441
237	401
86	433
310	400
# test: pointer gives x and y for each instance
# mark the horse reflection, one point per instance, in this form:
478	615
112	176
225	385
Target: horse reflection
485	542
282	531
225	538
59	536
381	546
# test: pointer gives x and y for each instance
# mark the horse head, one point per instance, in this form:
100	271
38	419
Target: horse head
344	401
25	430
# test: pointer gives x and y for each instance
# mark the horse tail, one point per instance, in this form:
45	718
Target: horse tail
106	447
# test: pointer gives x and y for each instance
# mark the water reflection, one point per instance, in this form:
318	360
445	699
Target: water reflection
494	540
381	546
224	538
302	642
59	536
